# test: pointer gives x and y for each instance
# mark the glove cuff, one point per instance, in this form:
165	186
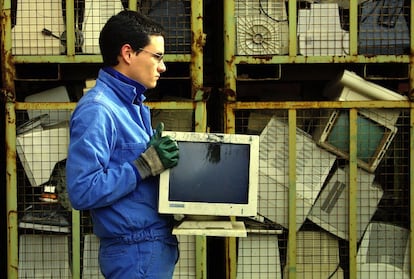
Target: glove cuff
142	167
153	161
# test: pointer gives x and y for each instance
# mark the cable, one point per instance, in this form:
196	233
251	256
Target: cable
333	272
266	14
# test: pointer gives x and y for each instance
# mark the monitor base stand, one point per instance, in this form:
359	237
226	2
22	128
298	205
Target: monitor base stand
226	228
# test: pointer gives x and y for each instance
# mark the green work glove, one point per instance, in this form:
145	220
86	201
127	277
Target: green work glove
161	154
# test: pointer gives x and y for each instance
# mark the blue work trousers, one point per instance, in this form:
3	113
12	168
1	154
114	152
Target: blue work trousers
138	257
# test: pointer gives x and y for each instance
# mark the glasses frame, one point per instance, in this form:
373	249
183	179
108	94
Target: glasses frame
157	56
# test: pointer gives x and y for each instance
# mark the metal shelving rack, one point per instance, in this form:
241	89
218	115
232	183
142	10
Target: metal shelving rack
288	46
291	54
241	70
32	58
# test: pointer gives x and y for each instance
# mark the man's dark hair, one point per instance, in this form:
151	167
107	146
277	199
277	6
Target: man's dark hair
126	27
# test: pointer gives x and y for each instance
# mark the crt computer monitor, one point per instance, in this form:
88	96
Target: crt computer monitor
216	175
374	136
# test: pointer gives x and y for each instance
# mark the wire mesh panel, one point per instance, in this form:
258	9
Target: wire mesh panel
44	256
320	30
323	195
330	210
174	119
90	261
186	265
317	256
384	252
43	204
175	17
312	168
38	27
44	209
258	257
96	13
42	150
261	27
383	27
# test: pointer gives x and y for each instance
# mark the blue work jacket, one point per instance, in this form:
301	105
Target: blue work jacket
109	129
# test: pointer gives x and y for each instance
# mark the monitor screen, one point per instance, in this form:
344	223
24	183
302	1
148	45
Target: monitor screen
374	136
228	162
217	174
370	134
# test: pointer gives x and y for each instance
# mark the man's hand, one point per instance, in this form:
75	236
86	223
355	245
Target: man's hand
161	154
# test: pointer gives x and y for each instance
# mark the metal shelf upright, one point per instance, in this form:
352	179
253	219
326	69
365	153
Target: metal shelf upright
34	60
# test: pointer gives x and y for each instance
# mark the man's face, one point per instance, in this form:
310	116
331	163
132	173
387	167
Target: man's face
147	64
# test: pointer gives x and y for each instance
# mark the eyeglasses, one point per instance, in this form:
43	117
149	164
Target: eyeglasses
157	56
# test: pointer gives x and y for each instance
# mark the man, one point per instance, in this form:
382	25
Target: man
114	157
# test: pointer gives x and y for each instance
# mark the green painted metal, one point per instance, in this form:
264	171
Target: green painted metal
281	59
10	138
84	58
133	5
200	117
76	244
292	194
11	192
197	44
230	242
7	68
293	39
231	257
315	105
411	188
201	256
352	231
70	28
353	29
229	35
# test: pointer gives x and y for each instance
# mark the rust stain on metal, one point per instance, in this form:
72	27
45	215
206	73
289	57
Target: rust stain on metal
201	40
9	119
411	95
228	92
7	68
196	124
6	95
206	93
11	214
262	59
11	156
230	61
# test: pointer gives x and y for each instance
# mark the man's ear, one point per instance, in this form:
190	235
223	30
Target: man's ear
125	53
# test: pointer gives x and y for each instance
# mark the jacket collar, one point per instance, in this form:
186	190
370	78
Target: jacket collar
137	88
